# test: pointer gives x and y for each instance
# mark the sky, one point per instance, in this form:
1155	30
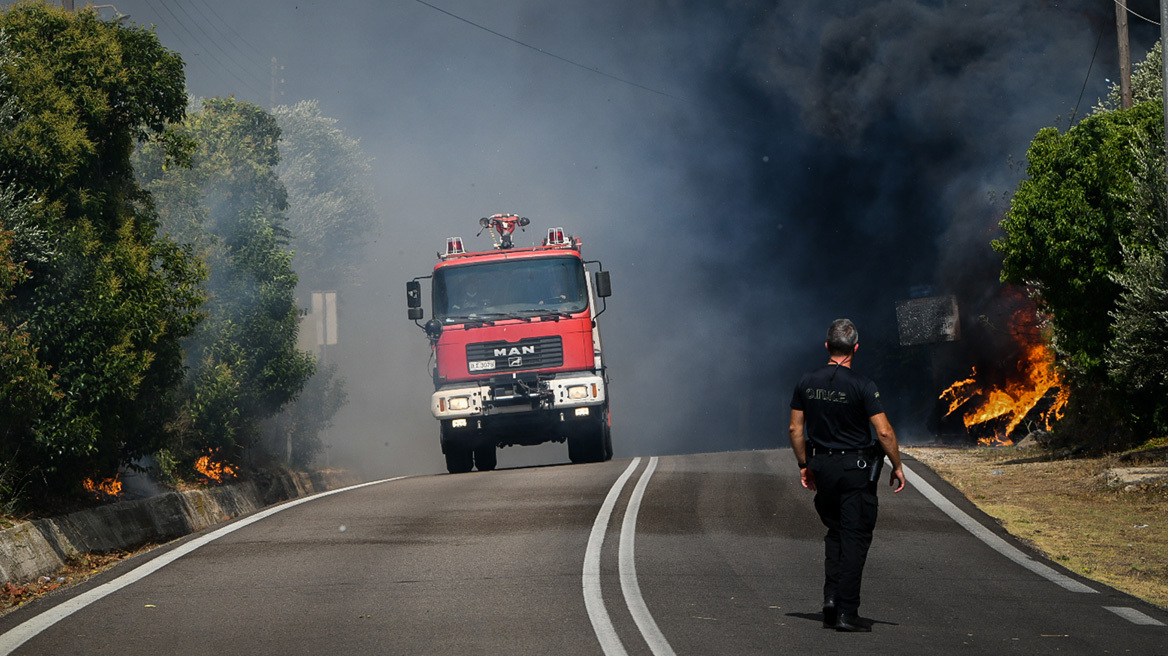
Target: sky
747	170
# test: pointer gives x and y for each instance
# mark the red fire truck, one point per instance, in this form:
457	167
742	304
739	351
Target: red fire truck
516	347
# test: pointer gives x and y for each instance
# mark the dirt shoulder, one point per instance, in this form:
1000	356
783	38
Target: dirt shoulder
78	568
1095	516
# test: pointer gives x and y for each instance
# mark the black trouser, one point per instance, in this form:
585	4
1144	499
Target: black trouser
847	505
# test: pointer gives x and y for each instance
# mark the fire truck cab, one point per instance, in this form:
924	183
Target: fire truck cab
517	358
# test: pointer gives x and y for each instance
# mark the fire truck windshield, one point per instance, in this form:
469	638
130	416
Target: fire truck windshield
515	288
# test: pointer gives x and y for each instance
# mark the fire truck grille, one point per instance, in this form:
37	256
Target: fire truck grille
531	353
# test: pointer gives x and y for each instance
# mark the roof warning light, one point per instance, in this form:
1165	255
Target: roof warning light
556	237
454	246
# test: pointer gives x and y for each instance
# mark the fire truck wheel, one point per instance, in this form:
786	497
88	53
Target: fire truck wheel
459	460
587	443
486	457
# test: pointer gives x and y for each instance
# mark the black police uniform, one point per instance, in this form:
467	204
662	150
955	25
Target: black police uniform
846	459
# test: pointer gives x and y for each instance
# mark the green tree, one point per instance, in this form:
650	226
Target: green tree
1137	355
1087	231
331	206
1147	84
229	203
105	310
331	213
25	384
1065	224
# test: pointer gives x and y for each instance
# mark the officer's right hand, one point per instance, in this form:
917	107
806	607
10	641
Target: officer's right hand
897	477
807	477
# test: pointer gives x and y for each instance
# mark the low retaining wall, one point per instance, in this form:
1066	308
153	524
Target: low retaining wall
41	547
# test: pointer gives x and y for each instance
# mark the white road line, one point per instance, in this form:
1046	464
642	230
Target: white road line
1134	616
998	544
628	570
593	601
24	632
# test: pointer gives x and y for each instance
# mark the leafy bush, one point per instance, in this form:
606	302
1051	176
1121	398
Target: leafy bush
229	204
95	322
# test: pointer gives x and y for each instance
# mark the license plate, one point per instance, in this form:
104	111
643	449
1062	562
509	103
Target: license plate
481	365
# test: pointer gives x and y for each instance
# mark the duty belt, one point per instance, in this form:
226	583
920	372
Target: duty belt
865	451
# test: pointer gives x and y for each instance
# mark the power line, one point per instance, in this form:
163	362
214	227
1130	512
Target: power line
232	42
232	29
208	50
1137	15
193	48
211	40
1088	77
549	54
162	20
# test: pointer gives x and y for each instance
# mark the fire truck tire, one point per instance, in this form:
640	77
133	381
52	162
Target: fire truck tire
607	442
459	460
486	457
587	443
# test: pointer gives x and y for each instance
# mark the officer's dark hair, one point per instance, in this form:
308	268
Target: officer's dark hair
842	337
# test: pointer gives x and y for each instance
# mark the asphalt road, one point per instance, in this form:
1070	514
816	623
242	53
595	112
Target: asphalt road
701	554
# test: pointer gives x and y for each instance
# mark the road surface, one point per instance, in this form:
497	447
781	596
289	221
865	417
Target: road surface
695	554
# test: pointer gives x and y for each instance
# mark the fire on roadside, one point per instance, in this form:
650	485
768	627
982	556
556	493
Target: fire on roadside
213	469
993	411
107	488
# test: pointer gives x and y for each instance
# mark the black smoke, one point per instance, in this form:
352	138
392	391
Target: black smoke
748	170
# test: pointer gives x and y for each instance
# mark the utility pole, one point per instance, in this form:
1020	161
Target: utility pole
1125	90
276	82
1164	63
67	4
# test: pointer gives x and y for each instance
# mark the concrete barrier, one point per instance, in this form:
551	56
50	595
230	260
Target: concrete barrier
41	547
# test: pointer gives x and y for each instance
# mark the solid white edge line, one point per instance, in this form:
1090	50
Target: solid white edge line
593	601
27	630
996	543
628	570
1134	616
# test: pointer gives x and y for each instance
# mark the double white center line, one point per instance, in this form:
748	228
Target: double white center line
593	600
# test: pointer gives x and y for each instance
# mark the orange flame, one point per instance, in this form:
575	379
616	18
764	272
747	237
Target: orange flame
987	406
215	470
107	488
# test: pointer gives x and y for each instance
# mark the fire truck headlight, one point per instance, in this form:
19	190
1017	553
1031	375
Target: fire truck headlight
458	423
578	392
459	403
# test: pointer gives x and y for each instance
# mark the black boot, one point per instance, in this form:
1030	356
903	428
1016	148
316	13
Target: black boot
829	614
852	623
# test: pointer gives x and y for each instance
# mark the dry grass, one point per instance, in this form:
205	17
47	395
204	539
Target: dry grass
78	568
1063	508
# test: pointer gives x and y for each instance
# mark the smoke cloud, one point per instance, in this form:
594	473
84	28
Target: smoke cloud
757	170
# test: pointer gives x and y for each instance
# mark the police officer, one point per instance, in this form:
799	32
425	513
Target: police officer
840	461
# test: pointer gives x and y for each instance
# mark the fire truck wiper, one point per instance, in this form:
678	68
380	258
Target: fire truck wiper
555	315
495	316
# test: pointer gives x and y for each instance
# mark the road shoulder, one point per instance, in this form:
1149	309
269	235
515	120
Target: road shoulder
1061	511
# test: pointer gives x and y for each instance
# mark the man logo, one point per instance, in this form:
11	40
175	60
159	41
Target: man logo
514	350
516	361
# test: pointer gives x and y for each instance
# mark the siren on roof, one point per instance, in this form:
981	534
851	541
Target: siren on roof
454	246
556	237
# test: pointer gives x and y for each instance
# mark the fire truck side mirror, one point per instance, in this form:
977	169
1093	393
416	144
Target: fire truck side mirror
603	286
416	314
414	297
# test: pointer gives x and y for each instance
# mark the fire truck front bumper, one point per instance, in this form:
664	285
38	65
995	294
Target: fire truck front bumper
515	394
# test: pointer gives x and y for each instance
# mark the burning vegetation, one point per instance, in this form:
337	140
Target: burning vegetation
214	470
1023	389
109	488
